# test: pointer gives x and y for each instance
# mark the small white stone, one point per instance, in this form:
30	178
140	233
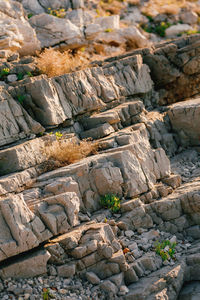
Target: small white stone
12	78
129	233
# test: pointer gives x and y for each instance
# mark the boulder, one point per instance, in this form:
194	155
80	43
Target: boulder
28	266
185	120
16	33
174	30
51	30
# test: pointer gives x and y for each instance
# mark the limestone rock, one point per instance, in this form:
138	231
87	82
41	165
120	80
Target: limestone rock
174	30
51	30
29	266
15	122
16	33
180	115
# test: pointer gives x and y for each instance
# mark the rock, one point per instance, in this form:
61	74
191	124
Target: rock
180	115
51	30
98	132
92	277
12	78
16	123
16	32
174	181
110	22
130	276
33	6
29	266
92	30
129	233
80	17
174	30
189	17
67	270
134	37
123	290
108	286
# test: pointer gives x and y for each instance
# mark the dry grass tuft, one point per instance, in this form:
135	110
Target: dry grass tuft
54	63
65	153
153	7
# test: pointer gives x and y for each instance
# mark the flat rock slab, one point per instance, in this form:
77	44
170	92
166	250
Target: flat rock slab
29	266
185	120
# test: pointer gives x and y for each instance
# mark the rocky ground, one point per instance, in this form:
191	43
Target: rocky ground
140	111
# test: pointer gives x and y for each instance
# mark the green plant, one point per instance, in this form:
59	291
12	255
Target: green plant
4	72
165	249
108	30
189	32
30	15
46	295
20	76
58	135
29	74
20	98
59	13
160	29
111	201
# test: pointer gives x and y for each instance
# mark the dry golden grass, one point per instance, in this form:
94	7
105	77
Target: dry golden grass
65	153
54	63
153	7
108	7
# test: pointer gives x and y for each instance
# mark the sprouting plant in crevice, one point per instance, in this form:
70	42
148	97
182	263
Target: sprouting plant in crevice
165	249
20	76
111	201
29	74
20	98
46	295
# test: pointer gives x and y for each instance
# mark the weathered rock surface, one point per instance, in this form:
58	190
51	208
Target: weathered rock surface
16	33
15	122
185	121
60	211
51	30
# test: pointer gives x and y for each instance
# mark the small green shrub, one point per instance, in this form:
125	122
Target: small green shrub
20	76
158	29
59	13
111	201
29	74
46	295
4	72
165	249
21	98
30	15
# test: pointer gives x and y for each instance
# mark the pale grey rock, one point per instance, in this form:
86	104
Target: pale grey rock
108	286
15	122
189	17
180	115
12	78
32	265
67	270
16	33
110	22
174	30
98	132
51	30
134	36
33	6
92	30
92	277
